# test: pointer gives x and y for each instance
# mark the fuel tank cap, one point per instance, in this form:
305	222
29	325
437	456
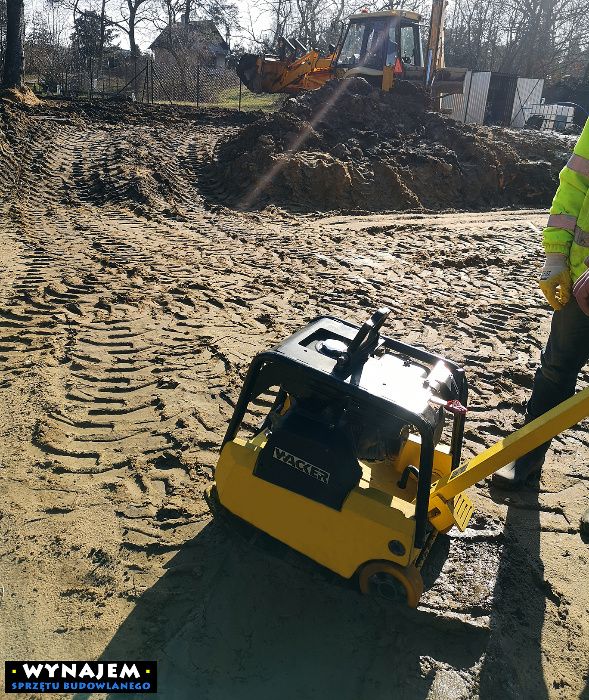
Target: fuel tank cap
331	347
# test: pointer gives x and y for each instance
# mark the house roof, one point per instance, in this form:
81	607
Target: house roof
203	31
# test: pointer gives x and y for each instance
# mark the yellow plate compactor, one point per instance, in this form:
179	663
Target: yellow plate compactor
347	466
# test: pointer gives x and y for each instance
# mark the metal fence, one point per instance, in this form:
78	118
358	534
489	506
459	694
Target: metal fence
143	79
549	117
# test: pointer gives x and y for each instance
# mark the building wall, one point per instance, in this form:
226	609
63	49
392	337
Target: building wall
470	106
528	92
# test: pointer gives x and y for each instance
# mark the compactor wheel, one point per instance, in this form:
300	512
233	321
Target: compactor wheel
211	496
392	582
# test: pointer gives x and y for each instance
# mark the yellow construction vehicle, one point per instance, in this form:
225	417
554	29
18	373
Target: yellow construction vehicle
347	466
381	47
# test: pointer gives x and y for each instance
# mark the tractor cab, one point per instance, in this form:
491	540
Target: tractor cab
382	46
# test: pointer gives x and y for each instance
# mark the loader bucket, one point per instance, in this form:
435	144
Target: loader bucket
449	81
247	70
261	73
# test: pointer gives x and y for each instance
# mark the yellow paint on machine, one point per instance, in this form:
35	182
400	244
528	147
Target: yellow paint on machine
374	513
446	505
340	540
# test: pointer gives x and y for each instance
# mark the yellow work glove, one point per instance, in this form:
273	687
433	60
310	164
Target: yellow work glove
555	280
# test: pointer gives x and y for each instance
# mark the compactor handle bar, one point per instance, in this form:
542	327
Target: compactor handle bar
548	425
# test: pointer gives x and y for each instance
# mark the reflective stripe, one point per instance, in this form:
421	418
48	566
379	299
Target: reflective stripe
564	221
581	237
579	164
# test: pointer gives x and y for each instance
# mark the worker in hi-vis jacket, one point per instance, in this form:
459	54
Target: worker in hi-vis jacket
565	282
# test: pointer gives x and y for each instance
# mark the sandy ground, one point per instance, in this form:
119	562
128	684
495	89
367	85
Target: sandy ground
129	311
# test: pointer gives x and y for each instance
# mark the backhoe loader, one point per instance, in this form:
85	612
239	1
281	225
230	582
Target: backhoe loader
381	47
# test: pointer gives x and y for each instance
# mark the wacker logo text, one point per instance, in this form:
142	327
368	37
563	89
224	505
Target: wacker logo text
301	465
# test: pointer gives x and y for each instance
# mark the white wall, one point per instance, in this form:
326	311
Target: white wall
528	92
470	106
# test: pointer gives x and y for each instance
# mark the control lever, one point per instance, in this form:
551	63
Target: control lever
365	339
452	406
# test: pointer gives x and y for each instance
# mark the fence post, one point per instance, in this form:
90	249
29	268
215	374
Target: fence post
239	108
198	85
151	64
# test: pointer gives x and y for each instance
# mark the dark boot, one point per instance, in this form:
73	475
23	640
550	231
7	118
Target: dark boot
585	523
517	474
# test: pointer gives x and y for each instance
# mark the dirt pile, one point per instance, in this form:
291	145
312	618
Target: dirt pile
348	146
20	95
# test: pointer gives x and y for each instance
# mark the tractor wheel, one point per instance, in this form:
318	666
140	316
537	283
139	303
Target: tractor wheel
383	579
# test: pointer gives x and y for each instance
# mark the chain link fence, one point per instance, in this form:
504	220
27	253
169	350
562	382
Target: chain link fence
143	79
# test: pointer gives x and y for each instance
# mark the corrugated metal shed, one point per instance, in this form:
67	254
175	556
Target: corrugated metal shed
475	100
470	106
476	103
528	92
453	105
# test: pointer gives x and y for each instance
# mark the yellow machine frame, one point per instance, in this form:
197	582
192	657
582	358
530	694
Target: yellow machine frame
291	75
377	512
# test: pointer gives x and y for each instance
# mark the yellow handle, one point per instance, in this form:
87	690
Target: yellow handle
524	440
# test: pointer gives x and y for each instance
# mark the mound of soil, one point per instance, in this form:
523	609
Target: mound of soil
349	146
20	95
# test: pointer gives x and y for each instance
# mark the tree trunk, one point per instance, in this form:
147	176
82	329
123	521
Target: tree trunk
132	21
187	12
14	60
585	78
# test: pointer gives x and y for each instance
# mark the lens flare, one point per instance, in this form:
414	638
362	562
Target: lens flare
249	199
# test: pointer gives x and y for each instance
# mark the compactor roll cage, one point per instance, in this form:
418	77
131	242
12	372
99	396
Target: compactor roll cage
298	370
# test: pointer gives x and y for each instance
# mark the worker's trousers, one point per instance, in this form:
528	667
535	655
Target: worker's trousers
564	356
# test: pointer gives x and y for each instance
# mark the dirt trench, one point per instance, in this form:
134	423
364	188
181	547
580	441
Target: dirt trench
131	303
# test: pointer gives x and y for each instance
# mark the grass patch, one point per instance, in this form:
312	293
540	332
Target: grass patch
229	98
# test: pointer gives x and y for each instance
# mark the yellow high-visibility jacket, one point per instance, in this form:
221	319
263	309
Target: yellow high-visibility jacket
568	225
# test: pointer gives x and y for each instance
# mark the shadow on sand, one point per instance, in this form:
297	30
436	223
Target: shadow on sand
229	620
513	664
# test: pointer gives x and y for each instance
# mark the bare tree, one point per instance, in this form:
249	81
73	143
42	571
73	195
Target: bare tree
132	13
535	38
2	29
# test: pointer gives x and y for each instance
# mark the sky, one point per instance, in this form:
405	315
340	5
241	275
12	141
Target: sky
145	35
